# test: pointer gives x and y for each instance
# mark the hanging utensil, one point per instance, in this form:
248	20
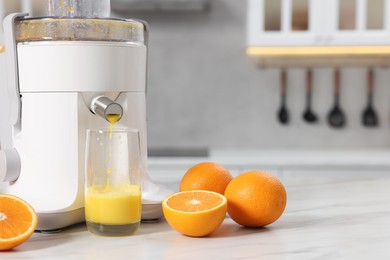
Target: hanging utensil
336	117
283	114
369	116
308	115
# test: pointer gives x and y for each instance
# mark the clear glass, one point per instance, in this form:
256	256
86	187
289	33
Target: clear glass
300	15
347	14
375	14
113	200
79	8
272	15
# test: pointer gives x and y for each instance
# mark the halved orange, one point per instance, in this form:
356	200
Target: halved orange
18	221
195	213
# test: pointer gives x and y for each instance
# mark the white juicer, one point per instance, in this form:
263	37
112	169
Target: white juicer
66	73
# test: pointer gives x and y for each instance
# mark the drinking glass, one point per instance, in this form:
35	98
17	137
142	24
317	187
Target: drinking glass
113	182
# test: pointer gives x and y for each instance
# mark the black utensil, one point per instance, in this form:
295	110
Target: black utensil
336	117
283	114
308	115
369	116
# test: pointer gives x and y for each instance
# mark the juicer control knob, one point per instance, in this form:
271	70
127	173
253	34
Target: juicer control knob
9	165
107	109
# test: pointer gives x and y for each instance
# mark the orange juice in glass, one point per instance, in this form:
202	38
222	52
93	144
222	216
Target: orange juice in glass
113	197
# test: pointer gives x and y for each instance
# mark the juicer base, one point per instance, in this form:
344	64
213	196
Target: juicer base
58	220
151	212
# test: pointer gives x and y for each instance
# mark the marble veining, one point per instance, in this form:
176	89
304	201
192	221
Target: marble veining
329	215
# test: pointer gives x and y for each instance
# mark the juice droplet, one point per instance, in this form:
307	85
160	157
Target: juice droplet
108	185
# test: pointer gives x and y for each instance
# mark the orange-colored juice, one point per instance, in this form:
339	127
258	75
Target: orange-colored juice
117	205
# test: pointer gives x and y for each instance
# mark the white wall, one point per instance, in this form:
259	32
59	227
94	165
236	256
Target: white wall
203	91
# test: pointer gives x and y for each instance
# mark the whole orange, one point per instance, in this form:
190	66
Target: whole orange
206	176
255	199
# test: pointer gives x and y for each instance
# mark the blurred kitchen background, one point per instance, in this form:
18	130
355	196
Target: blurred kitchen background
205	92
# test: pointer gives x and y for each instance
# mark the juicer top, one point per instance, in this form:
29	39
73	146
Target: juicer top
80	29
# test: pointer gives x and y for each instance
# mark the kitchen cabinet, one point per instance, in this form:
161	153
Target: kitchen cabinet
319	28
270	23
357	22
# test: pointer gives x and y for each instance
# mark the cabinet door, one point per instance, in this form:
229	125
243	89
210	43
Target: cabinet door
318	22
282	22
357	22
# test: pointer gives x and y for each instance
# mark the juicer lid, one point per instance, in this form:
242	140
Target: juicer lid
80	29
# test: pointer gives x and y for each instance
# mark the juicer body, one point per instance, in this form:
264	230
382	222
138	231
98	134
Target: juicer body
56	82
64	76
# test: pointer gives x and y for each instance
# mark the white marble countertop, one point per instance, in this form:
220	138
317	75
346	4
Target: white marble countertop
288	158
330	214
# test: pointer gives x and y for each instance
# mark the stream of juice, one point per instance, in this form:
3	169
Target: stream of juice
112	118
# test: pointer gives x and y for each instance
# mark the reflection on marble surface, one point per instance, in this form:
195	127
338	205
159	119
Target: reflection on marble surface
329	215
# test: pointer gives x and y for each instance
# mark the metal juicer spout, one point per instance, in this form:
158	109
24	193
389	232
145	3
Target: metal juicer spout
107	109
